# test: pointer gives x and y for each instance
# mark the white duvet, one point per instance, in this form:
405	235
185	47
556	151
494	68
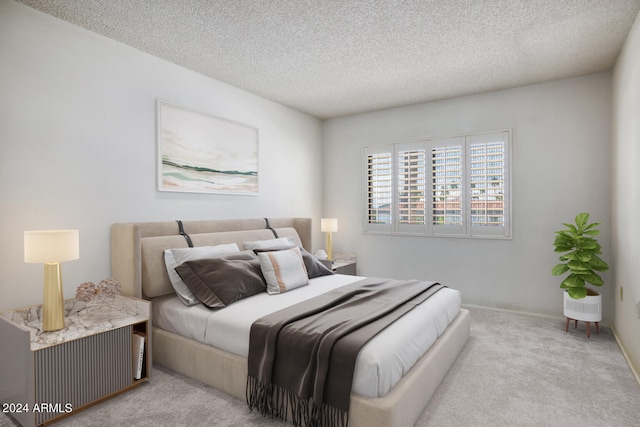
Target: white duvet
380	364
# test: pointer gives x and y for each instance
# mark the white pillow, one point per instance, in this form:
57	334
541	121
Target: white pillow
271	244
283	270
175	257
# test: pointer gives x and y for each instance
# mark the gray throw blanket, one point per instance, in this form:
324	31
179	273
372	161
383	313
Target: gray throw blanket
302	358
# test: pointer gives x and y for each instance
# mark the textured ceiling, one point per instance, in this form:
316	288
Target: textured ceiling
340	57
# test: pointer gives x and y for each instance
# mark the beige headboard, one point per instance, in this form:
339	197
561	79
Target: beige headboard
137	248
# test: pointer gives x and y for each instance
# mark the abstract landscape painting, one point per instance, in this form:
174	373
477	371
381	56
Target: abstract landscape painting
201	153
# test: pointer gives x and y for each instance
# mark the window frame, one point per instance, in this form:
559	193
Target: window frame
465	229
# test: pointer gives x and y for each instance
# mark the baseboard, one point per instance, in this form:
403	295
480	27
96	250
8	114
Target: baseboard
636	374
603	323
507	310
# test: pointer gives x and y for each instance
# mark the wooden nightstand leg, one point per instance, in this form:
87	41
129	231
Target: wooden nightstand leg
566	326
575	325
588	329
597	328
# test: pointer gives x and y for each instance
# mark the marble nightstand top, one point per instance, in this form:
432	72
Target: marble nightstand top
81	319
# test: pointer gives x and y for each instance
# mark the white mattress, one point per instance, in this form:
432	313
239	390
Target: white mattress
381	362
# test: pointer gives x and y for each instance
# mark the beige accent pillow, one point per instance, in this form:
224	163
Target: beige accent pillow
283	270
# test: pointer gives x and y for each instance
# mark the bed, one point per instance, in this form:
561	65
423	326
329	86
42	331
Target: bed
138	264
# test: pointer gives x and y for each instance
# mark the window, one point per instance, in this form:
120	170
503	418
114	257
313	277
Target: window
457	186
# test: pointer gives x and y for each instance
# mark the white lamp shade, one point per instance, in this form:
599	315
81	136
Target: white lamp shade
45	246
329	225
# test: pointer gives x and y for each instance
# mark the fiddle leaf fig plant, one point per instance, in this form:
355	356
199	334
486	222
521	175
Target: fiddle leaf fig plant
580	256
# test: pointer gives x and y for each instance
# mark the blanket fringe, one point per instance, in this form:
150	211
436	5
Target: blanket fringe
277	402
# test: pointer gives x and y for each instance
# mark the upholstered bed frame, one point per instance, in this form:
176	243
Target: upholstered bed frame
137	263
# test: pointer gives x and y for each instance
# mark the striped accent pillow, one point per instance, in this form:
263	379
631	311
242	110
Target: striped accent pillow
283	270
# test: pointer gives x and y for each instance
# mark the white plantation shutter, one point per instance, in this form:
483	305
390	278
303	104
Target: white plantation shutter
379	189
447	187
457	186
411	187
488	184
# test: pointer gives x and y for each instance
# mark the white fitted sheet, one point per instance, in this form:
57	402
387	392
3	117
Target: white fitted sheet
381	362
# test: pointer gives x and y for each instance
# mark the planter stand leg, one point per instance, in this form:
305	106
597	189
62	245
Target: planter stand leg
589	329
566	327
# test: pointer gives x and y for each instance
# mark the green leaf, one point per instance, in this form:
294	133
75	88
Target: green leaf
593	278
581	221
592	225
577	293
589	243
598	264
570	256
560	269
564	237
583	257
561	249
578	266
563	241
573	281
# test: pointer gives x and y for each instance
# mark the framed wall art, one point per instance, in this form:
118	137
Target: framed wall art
201	153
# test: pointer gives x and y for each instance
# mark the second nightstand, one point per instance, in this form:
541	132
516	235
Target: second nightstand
342	264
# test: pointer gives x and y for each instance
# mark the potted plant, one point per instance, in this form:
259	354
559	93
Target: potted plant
580	258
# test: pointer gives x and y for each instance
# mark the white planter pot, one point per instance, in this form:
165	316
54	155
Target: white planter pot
587	309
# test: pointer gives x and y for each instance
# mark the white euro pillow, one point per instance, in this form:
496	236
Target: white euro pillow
270	244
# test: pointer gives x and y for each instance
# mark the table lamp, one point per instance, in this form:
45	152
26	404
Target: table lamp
51	247
329	225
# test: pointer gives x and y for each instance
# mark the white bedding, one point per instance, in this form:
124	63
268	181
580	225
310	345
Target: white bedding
377	368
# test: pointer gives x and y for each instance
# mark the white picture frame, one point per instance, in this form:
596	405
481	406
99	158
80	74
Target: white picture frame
201	153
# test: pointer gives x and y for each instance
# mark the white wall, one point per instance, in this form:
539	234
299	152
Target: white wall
561	166
626	194
78	146
78	150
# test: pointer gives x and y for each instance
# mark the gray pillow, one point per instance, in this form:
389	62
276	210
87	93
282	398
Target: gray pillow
175	257
223	281
315	268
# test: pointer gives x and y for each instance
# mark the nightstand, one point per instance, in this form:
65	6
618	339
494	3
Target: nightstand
46	376
342	264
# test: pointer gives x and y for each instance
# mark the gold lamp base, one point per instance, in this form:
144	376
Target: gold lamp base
329	247
53	305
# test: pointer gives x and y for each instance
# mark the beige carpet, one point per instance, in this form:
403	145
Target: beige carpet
516	370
